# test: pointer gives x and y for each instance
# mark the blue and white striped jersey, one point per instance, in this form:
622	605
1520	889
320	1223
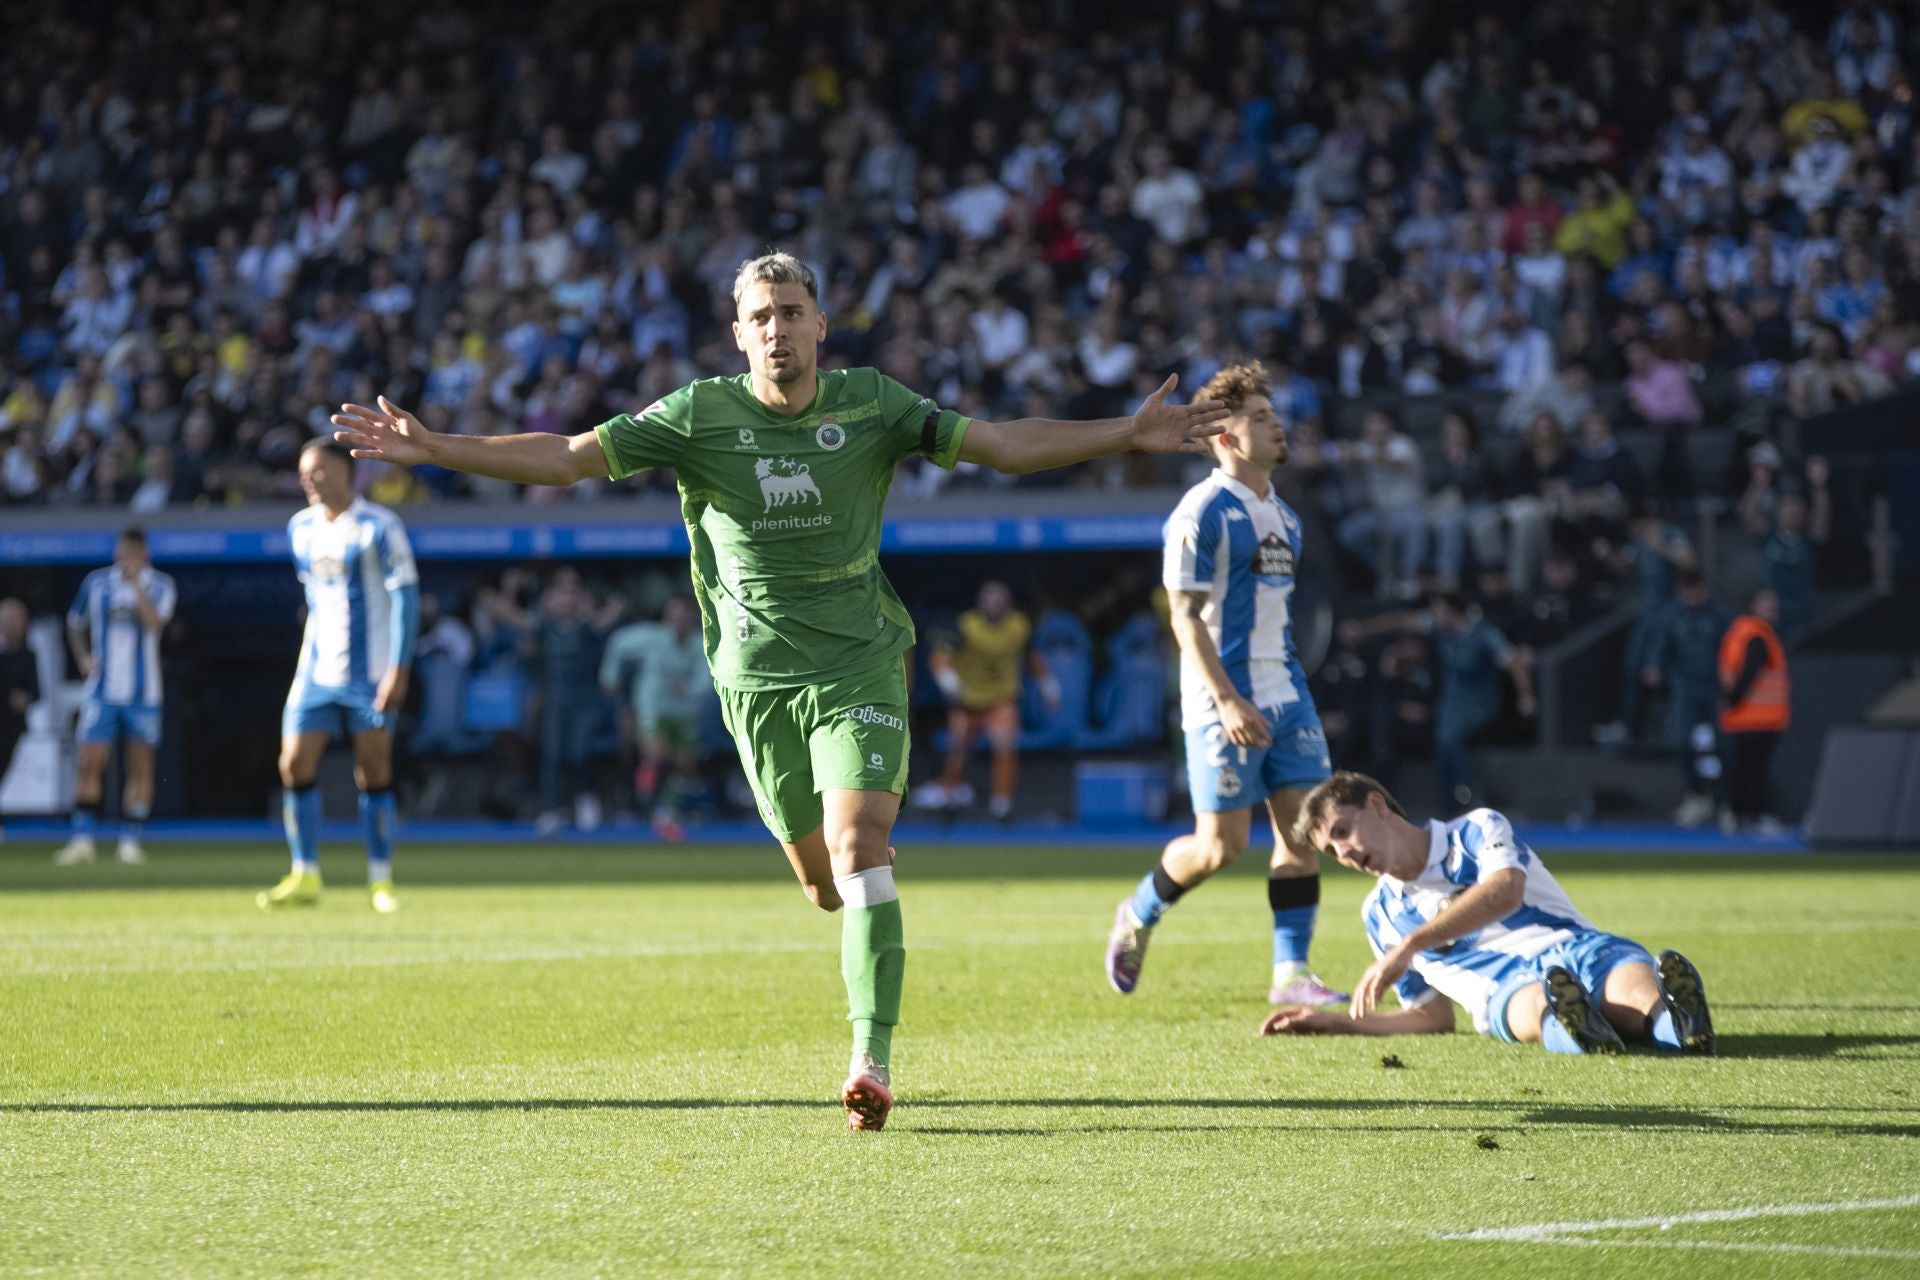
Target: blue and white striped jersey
1469	970
355	569
126	656
1241	550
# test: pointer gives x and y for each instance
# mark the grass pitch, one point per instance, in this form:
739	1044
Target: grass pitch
601	1062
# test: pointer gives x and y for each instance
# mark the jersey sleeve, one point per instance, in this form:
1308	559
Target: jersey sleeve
1191	545
1495	642
1488	839
916	425
655	437
397	567
1412	989
163	595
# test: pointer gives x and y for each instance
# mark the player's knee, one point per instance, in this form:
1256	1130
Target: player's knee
292	774
823	896
1219	852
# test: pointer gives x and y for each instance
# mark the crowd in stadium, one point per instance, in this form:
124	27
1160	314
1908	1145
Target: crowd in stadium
221	221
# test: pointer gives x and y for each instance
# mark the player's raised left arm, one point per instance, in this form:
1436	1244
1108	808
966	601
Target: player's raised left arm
1036	444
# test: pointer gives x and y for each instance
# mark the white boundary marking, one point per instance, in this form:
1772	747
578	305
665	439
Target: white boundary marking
1581	1233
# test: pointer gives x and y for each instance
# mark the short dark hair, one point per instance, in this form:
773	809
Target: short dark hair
134	533
332	448
1344	790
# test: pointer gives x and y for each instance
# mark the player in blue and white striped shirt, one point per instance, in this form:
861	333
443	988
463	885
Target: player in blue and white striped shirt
363	613
1465	913
1253	736
114	630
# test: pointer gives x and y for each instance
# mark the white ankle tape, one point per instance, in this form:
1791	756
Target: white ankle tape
867	888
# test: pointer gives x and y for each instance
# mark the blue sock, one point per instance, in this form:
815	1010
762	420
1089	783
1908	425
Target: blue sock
300	814
1154	894
1660	1027
376	823
1296	903
1555	1038
85	818
134	822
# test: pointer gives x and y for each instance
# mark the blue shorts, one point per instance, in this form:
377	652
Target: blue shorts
109	722
347	710
1222	776
1589	957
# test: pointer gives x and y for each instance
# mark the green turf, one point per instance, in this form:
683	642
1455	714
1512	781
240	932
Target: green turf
595	1062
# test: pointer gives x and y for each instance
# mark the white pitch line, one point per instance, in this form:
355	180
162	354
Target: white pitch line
1542	1231
1736	1246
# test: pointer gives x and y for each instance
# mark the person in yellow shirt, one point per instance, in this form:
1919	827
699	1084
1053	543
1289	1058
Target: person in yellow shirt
1598	227
981	680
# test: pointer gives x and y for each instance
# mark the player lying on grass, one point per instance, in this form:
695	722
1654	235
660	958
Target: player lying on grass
1464	913
783	472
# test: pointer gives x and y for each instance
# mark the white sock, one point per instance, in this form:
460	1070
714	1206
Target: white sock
867	888
1286	971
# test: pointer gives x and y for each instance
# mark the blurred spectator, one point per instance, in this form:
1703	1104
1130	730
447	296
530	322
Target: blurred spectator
1790	526
1753	682
1387	527
1684	656
981	680
1460	502
1657	552
564	642
19	680
658	673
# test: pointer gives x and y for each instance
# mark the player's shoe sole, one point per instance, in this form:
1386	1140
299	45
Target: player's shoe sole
1687	998
1570	1005
867	1101
1126	950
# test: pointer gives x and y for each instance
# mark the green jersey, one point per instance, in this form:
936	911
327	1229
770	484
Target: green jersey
784	514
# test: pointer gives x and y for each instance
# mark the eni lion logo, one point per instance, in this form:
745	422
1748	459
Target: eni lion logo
783	481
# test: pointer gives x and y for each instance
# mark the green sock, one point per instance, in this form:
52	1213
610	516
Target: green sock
873	960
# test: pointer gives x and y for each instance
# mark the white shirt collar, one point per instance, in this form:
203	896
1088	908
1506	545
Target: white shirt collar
1239	490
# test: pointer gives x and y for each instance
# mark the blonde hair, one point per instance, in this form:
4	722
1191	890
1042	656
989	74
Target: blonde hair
1344	790
1234	385
777	267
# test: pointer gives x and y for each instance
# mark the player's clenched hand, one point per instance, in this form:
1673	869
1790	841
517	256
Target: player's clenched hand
1159	427
1243	723
389	433
392	694
1299	1021
1373	984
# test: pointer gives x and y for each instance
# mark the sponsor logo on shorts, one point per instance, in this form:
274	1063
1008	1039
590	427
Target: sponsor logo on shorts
1312	743
873	715
1229	784
876	760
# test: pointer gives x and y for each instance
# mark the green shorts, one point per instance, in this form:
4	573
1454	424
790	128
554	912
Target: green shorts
844	734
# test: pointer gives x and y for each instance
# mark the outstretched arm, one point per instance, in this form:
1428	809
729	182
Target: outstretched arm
392	434
1036	444
1435	1017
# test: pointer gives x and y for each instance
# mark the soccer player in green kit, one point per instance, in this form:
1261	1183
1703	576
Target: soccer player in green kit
783	473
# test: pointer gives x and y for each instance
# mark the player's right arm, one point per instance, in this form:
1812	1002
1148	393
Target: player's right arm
1435	1017
1242	721
79	636
392	434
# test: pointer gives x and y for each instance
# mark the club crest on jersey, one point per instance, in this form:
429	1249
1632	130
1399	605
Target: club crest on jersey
327	568
830	436
784	481
1273	558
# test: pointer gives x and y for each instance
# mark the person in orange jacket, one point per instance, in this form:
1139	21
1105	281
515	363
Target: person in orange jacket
1754	710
